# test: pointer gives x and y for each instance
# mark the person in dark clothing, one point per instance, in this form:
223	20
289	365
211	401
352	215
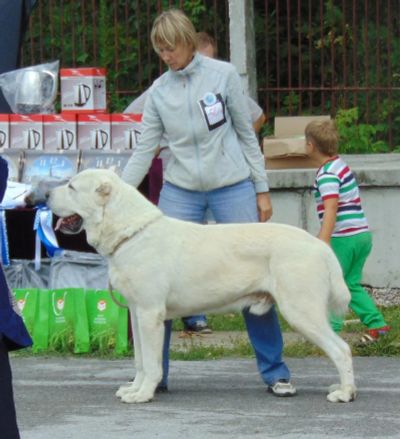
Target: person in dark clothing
13	336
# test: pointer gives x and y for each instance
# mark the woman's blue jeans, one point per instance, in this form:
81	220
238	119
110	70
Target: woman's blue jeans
230	204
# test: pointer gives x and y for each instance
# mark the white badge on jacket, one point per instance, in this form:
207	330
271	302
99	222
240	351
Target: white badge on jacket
213	109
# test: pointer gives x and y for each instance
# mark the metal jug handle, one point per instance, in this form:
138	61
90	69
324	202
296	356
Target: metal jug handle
54	85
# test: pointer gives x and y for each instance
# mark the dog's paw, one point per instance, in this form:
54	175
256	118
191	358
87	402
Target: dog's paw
342	394
121	391
137	397
126	388
334	387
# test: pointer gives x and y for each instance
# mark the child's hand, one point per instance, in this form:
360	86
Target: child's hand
325	238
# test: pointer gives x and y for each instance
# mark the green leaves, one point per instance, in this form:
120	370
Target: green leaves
359	138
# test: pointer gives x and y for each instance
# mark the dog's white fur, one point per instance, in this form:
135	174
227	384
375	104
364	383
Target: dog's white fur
168	268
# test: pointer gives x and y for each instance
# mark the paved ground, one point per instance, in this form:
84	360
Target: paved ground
74	399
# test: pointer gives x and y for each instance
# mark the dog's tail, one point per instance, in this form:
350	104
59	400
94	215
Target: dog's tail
339	297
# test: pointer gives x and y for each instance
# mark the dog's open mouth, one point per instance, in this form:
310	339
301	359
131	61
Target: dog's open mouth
70	225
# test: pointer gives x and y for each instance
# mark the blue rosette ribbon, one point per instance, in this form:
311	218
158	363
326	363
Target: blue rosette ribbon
5	255
43	225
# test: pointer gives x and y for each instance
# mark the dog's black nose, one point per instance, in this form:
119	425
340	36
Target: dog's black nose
47	195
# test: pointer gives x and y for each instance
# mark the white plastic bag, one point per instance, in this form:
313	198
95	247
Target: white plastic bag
31	90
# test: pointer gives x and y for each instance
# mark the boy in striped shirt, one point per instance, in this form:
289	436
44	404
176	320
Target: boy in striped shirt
343	223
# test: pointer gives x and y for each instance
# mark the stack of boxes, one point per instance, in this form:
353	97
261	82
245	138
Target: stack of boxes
82	131
287	148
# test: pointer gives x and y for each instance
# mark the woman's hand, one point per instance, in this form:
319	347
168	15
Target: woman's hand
264	207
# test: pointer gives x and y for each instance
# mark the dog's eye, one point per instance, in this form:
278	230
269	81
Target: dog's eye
71	187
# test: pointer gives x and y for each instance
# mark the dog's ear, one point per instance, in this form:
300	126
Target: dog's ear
104	190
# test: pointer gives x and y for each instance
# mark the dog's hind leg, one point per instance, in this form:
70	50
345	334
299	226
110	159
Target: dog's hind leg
137	345
151	334
313	324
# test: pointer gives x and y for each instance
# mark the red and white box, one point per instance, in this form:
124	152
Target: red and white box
4	131
26	131
94	131
83	90
125	130
60	132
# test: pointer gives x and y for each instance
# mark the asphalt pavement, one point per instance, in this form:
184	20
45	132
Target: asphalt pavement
73	398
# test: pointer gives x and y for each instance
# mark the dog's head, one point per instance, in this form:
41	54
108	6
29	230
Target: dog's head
82	199
99	202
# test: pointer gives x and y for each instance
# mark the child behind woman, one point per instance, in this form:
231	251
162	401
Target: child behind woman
343	224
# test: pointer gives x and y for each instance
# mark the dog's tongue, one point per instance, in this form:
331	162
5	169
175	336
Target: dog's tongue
69	225
59	224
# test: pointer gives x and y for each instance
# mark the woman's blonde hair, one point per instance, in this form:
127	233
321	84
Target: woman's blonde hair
171	28
323	135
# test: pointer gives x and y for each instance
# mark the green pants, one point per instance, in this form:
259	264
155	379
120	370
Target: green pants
352	252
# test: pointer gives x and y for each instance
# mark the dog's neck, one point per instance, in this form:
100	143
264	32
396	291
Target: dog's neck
125	239
124	215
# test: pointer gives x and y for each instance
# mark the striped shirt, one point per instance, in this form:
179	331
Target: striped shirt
335	180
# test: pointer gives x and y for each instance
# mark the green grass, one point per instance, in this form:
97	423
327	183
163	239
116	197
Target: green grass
219	322
386	346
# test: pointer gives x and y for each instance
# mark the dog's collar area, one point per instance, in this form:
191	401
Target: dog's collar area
119	244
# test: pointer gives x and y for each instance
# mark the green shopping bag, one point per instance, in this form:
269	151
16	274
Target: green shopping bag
108	322
34	306
27	299
67	320
40	332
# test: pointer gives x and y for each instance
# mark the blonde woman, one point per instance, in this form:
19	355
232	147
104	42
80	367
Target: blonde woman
215	163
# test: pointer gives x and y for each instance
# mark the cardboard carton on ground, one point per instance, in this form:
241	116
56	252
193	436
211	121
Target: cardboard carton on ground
287	149
290	162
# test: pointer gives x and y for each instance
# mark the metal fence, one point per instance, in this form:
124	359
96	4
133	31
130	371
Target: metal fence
322	56
313	56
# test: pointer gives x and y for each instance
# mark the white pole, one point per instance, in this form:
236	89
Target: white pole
242	43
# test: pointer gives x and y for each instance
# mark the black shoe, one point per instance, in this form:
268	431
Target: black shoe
199	327
162	388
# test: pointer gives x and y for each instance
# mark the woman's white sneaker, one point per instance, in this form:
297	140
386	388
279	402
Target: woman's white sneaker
282	388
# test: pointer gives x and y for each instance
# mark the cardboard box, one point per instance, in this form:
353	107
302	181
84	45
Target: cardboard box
125	130
294	126
60	132
26	131
83	90
4	132
94	131
288	141
292	162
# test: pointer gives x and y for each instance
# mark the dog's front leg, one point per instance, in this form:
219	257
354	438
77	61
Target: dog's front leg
137	345
151	334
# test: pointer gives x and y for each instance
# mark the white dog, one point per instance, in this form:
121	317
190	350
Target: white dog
168	268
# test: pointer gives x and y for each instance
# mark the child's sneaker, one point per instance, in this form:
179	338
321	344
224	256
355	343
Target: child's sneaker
372	335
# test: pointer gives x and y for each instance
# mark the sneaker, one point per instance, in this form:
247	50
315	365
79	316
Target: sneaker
162	388
199	327
372	335
282	388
